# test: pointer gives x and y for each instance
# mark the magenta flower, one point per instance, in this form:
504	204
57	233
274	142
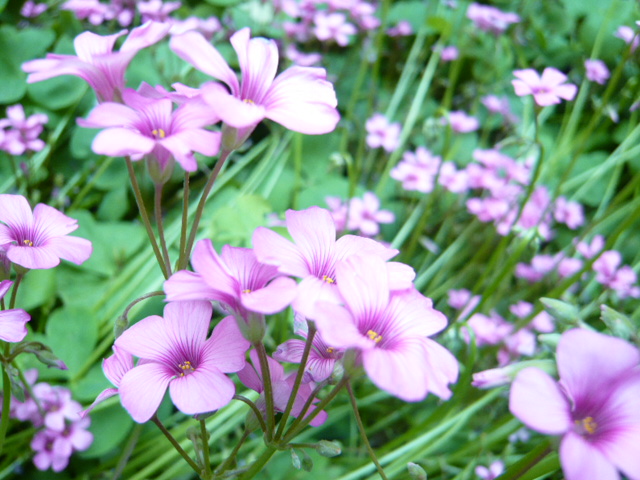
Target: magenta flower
12	322
235	279
417	170
300	98
97	63
315	253
597	71
595	406
333	26
389	330
150	126
460	122
175	353
39	239
365	215
547	89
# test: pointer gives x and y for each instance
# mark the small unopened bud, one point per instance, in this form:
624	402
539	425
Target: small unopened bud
619	324
560	310
416	472
328	448
120	325
295	460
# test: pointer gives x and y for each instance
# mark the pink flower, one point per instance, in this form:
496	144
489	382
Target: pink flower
300	98
622	279
597	71
23	132
488	330
178	355
595	406
591	250
491	19
333	26
114	369
449	54
156	10
12	322
381	133
389	330
417	171
401	29
547	89
97	63
31	9
492	472
569	213
365	215
460	122
149	126
629	36
39	239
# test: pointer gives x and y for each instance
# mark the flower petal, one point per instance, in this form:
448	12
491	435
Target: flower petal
273	298
184	285
73	249
581	460
204	390
15	211
120	142
12	325
225	349
143	388
274	249
33	257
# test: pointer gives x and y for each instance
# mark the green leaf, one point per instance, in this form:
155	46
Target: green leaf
37	288
619	324
110	430
235	222
223	3
72	334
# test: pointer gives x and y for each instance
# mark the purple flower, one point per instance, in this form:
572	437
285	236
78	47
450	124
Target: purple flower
547	89
300	98
97	63
629	36
460	122
12	322
333	26
597	71
449	54
150	126
491	19
31	9
595	406
177	354
381	133
39	239
365	215
492	472
417	170
389	330
23	132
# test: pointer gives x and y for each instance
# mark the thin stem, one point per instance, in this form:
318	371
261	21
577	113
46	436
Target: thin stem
205	449
224	465
294	392
140	299
185	222
268	389
14	291
259	464
157	208
6	399
363	434
176	445
145	217
255	409
203	200
128	450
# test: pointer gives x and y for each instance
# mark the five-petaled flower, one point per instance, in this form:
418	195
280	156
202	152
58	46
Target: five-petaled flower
547	89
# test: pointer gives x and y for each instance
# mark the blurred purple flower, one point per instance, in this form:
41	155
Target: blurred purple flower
491	19
381	133
597	71
22	134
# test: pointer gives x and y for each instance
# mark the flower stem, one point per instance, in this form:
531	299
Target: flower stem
6	399
527	462
255	409
157	208
205	449
224	465
128	450
296	385
140	299
259	463
176	445
14	291
203	200
268	388
145	217
363	434
185	221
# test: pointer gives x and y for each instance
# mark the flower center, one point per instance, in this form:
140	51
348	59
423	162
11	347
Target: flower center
374	336
246	290
248	100
27	243
587	425
186	368
330	350
328	279
159	133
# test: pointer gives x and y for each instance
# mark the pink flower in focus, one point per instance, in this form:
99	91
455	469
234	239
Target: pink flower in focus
381	133
547	89
333	26
595	406
300	98
460	122
149	126
178	355
39	239
597	71
12	322
97	63
491	19
114	369
365	215
389	330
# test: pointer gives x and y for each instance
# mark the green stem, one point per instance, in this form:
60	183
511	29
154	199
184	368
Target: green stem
200	209
259	464
125	314
145	217
205	449
6	399
525	464
157	208
255	409
185	223
294	392
128	450
225	465
363	434
177	446
268	388
14	291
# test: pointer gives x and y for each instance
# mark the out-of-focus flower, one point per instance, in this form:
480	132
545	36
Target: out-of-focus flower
629	36
31	9
449	54
401	29
381	133
365	215
492	472
22	134
547	89
460	122
13	321
569	213
491	19
597	71
156	10
590	250
417	170
499	105
595	406
39	239
206	26
333	26
302	59
610	274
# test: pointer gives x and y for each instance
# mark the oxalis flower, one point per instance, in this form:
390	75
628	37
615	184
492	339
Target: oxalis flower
39	239
547	89
175	353
389	330
12	322
300	98
595	406
97	63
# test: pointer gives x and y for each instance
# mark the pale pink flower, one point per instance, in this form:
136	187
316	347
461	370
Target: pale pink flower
206	26
569	266
31	9
300	98
456	181
114	369
460	122
610	274
494	377
521	309
417	170
568	212
590	250
365	215
97	63
547	89
388	329
491	19
156	10
12	322
39	239
595	407
449	54
492	472
401	29
176	353
597	71
22	134
300	58
540	266
488	330
333	26
629	36
381	133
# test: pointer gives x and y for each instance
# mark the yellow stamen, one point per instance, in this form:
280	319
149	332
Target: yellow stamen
186	368
328	279
159	133
246	291
374	336
330	349
28	243
588	424
248	100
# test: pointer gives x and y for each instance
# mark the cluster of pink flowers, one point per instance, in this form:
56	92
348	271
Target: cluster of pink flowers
499	105
57	416
595	407
383	134
362	215
32	9
491	19
19	133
